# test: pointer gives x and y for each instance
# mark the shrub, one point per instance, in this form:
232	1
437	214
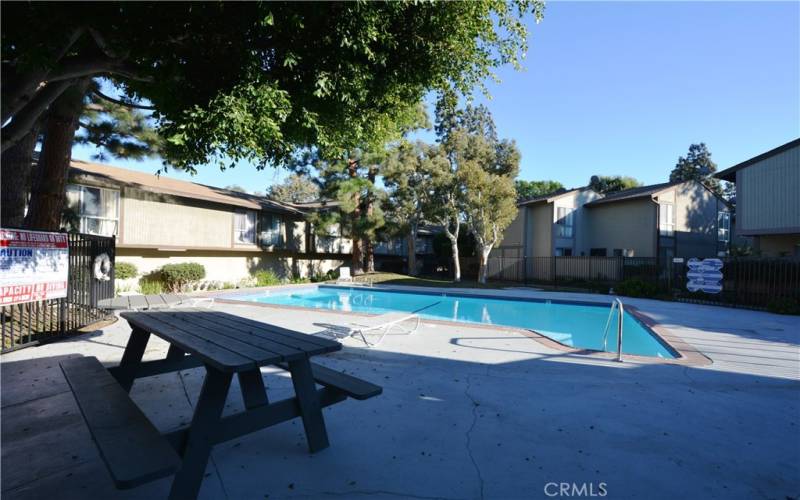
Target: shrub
784	305
330	275
150	286
177	276
266	277
635	287
125	270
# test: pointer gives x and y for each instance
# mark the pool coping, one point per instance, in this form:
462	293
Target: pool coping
687	355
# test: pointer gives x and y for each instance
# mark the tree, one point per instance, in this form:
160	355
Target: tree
698	166
611	184
531	189
477	186
409	177
487	168
253	81
295	188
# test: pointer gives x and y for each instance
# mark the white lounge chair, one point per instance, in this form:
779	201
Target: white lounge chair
380	325
344	275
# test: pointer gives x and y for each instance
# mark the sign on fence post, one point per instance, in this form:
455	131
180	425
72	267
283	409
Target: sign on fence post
34	265
704	275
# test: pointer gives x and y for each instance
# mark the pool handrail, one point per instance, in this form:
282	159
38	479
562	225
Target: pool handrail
616	304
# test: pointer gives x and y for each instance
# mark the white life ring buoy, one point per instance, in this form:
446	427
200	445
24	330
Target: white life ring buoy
102	267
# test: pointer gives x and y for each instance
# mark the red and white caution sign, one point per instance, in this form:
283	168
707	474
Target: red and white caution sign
33	266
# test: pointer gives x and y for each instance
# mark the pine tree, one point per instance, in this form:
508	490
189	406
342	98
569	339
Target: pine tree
698	166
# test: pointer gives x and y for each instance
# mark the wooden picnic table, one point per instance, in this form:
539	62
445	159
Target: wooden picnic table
226	345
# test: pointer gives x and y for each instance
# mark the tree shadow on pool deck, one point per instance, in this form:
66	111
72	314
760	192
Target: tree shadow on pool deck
462	424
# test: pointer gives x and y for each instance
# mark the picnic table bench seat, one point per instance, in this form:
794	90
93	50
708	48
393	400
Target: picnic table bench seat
354	387
133	450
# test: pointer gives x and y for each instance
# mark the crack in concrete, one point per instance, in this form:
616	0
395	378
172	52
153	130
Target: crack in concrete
475	405
211	457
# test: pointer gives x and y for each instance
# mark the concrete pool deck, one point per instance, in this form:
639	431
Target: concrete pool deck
467	412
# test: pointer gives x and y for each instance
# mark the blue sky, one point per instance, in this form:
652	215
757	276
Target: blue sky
624	88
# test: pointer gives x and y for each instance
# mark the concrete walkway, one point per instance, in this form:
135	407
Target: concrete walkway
467	412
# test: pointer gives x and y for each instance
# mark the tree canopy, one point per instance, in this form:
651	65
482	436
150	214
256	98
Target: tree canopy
295	189
253	81
605	184
532	189
697	165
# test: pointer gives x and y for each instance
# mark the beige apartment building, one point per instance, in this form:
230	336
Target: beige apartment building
682	219
159	220
767	201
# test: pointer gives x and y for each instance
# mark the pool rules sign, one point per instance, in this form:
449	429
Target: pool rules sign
704	275
33	266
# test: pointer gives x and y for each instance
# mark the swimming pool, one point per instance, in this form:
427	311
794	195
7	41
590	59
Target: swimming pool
578	325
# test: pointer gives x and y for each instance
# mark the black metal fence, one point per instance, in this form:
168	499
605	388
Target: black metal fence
755	282
27	324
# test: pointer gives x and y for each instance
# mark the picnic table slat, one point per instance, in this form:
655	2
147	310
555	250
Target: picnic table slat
211	353
287	353
213	333
298	341
133	450
284	335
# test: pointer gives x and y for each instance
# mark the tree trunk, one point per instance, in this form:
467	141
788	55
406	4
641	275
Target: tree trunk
483	270
369	250
49	188
357	261
411	243
456	263
17	164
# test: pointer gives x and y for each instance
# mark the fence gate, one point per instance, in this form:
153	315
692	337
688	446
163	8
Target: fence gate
30	323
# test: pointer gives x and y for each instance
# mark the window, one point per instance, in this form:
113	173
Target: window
724	226
92	210
563	252
565	222
244	228
666	219
623	252
270	230
597	252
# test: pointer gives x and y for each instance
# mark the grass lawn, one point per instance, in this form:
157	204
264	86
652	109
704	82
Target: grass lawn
403	279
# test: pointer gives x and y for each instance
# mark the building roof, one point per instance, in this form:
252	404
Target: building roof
551	196
185	189
729	174
634	193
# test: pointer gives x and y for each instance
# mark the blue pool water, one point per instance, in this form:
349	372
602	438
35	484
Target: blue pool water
578	325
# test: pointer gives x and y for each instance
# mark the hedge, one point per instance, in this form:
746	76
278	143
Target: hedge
125	270
177	276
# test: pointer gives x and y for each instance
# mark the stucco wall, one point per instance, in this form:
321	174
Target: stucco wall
626	224
696	223
540	230
153	219
767	198
227	267
579	239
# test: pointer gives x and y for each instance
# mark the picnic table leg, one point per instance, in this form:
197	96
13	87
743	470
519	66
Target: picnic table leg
254	393
174	353
310	410
201	437
131	358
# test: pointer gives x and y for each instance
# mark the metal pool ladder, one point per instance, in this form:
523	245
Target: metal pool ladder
617	304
